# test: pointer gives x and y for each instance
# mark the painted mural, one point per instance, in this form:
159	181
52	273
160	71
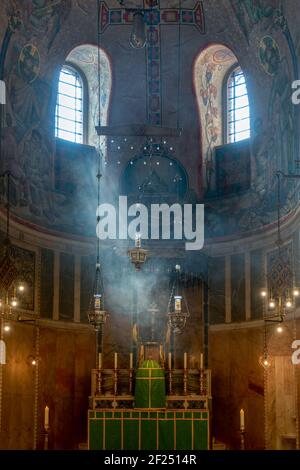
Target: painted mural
29	150
278	57
274	142
29	44
251	12
157	15
210	70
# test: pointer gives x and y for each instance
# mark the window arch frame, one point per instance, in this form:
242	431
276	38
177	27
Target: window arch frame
85	101
225	107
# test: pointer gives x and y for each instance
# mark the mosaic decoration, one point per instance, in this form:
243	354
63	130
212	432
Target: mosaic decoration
249	13
14	24
154	18
269	55
254	17
60	204
29	63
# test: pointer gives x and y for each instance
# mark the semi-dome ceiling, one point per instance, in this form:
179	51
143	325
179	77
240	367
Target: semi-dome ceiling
158	84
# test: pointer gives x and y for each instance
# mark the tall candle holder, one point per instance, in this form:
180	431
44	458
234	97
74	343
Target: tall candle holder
242	435
115	382
170	373
170	381
99	382
185	381
202	382
242	428
46	436
131	370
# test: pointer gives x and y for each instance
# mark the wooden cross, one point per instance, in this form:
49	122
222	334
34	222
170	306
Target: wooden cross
154	18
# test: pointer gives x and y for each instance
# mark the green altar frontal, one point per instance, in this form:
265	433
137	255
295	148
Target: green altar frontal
149	425
148	430
150	387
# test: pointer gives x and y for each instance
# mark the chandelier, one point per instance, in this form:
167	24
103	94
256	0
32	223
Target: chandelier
178	311
97	315
137	255
280	296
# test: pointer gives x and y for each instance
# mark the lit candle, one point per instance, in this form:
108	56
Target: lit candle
201	361
116	360
100	360
185	360
242	419
46	418
170	361
138	242
178	299
97	298
131	360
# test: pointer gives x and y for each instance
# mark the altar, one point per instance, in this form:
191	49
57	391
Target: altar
150	418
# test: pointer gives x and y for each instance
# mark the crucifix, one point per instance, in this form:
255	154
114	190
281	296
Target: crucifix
154	18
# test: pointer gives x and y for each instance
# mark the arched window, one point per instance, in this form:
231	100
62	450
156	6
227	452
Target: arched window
69	106
237	107
78	108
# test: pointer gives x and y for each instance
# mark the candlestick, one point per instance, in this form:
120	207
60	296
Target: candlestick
185	375
46	417
100	361
170	372
99	382
116	360
46	437
185	360
201	361
131	361
130	380
142	352
115	380
242	420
